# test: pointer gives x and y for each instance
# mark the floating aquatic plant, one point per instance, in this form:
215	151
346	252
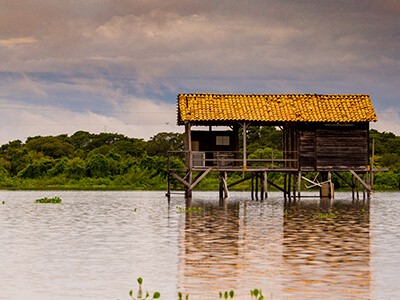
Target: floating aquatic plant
180	296
140	296
189	210
256	293
48	200
325	216
227	295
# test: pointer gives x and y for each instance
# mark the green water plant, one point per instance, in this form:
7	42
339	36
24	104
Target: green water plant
180	296
49	200
140	295
257	294
181	209
227	295
325	216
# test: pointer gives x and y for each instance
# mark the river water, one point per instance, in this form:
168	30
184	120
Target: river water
95	244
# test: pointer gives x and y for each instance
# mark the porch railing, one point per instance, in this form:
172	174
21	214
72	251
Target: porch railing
271	159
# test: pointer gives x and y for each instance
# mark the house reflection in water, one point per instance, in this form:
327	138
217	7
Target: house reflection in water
310	250
326	251
209	248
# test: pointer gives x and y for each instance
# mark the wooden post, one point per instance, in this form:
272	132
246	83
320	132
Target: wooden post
294	186
252	187
225	184
221	186
256	192
168	188
298	184
265	184
331	186
327	189
372	164
284	185
189	163
244	146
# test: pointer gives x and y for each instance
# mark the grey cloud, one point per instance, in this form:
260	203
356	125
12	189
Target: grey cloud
108	51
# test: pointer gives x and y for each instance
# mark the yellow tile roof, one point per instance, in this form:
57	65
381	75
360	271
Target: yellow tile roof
200	107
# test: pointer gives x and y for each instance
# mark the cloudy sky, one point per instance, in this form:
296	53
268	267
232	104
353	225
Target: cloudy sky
117	65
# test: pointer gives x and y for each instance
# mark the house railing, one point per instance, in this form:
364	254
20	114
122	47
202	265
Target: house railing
233	160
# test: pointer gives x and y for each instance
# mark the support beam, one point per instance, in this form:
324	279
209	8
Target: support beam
366	186
277	186
349	183
183	181
199	178
240	181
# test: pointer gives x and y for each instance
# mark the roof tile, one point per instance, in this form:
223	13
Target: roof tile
275	108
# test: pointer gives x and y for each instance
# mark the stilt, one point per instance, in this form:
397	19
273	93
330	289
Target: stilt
221	189
364	189
262	186
327	187
252	187
223	186
299	184
284	185
168	188
289	187
369	178
294	187
265	184
256	180
331	186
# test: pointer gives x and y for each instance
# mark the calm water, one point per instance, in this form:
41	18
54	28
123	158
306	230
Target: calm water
95	244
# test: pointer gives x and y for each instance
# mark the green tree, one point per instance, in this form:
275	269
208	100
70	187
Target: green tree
37	168
163	142
55	147
98	166
75	168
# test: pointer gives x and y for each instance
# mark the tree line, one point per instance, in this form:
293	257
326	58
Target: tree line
114	161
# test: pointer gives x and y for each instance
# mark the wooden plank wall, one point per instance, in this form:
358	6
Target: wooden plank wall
308	152
329	148
341	149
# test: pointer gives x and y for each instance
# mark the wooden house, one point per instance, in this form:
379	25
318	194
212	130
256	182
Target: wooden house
321	133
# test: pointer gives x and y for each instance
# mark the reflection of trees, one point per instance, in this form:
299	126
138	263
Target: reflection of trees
326	251
210	247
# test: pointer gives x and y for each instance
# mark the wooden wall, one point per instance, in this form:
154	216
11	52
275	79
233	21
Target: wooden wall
207	140
332	147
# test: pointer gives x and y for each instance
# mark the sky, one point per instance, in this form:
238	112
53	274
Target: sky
117	65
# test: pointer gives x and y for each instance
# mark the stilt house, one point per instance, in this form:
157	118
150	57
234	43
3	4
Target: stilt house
321	133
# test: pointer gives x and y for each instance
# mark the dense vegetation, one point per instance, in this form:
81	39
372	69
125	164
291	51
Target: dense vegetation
114	161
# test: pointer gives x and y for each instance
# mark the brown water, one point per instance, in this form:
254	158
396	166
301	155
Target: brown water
95	244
